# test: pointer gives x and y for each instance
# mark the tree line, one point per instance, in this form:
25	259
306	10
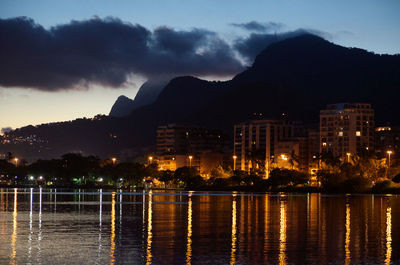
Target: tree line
358	174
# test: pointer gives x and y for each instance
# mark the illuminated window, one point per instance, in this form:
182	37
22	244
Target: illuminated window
323	144
358	133
340	133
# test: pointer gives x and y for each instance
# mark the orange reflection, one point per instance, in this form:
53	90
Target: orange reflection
2	201
112	246
234	230
347	238
189	231
14	233
149	230
2	210
388	235
282	232
266	224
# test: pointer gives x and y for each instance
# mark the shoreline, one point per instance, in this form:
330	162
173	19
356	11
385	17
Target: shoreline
300	190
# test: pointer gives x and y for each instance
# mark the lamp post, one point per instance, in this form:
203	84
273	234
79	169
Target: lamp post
348	157
234	162
389	152
190	161
16	161
113	160
150	159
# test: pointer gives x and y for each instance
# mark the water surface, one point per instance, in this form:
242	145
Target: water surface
42	226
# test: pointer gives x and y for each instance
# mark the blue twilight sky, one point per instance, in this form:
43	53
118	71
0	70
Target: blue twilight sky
373	25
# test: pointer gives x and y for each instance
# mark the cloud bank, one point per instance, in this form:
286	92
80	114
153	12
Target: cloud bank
260	27
108	51
249	47
105	52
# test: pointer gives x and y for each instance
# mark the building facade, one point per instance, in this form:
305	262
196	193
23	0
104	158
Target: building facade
387	139
255	142
180	145
293	154
187	139
347	129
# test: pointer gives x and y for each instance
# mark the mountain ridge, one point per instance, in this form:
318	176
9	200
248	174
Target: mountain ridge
298	76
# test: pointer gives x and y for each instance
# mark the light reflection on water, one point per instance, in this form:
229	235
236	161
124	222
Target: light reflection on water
347	239
189	231
52	226
282	232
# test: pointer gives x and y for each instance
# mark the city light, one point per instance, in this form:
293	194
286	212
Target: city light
114	160
234	162
190	161
150	158
389	152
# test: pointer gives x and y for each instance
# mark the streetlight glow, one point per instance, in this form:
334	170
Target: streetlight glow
348	157
114	160
234	162
190	161
389	152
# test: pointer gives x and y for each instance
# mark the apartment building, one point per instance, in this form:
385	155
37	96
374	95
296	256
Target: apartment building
347	129
255	142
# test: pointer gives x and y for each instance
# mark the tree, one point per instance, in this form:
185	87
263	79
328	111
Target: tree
166	176
220	172
184	174
285	177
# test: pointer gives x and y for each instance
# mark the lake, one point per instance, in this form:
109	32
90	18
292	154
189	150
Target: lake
48	226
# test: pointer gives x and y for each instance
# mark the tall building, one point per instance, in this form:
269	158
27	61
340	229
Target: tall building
347	129
181	145
387	139
255	142
187	139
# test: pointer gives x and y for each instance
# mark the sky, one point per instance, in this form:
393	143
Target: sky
71	59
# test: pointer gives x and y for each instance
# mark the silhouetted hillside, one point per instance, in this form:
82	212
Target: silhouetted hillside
297	76
146	95
122	107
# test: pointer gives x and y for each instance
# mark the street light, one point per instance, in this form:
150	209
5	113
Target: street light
389	152
190	161
16	161
114	160
234	162
150	159
348	157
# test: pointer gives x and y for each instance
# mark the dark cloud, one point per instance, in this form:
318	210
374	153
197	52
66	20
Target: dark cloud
6	130
260	27
106	52
252	45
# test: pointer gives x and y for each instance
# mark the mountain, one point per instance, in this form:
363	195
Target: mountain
122	107
301	75
146	95
297	76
